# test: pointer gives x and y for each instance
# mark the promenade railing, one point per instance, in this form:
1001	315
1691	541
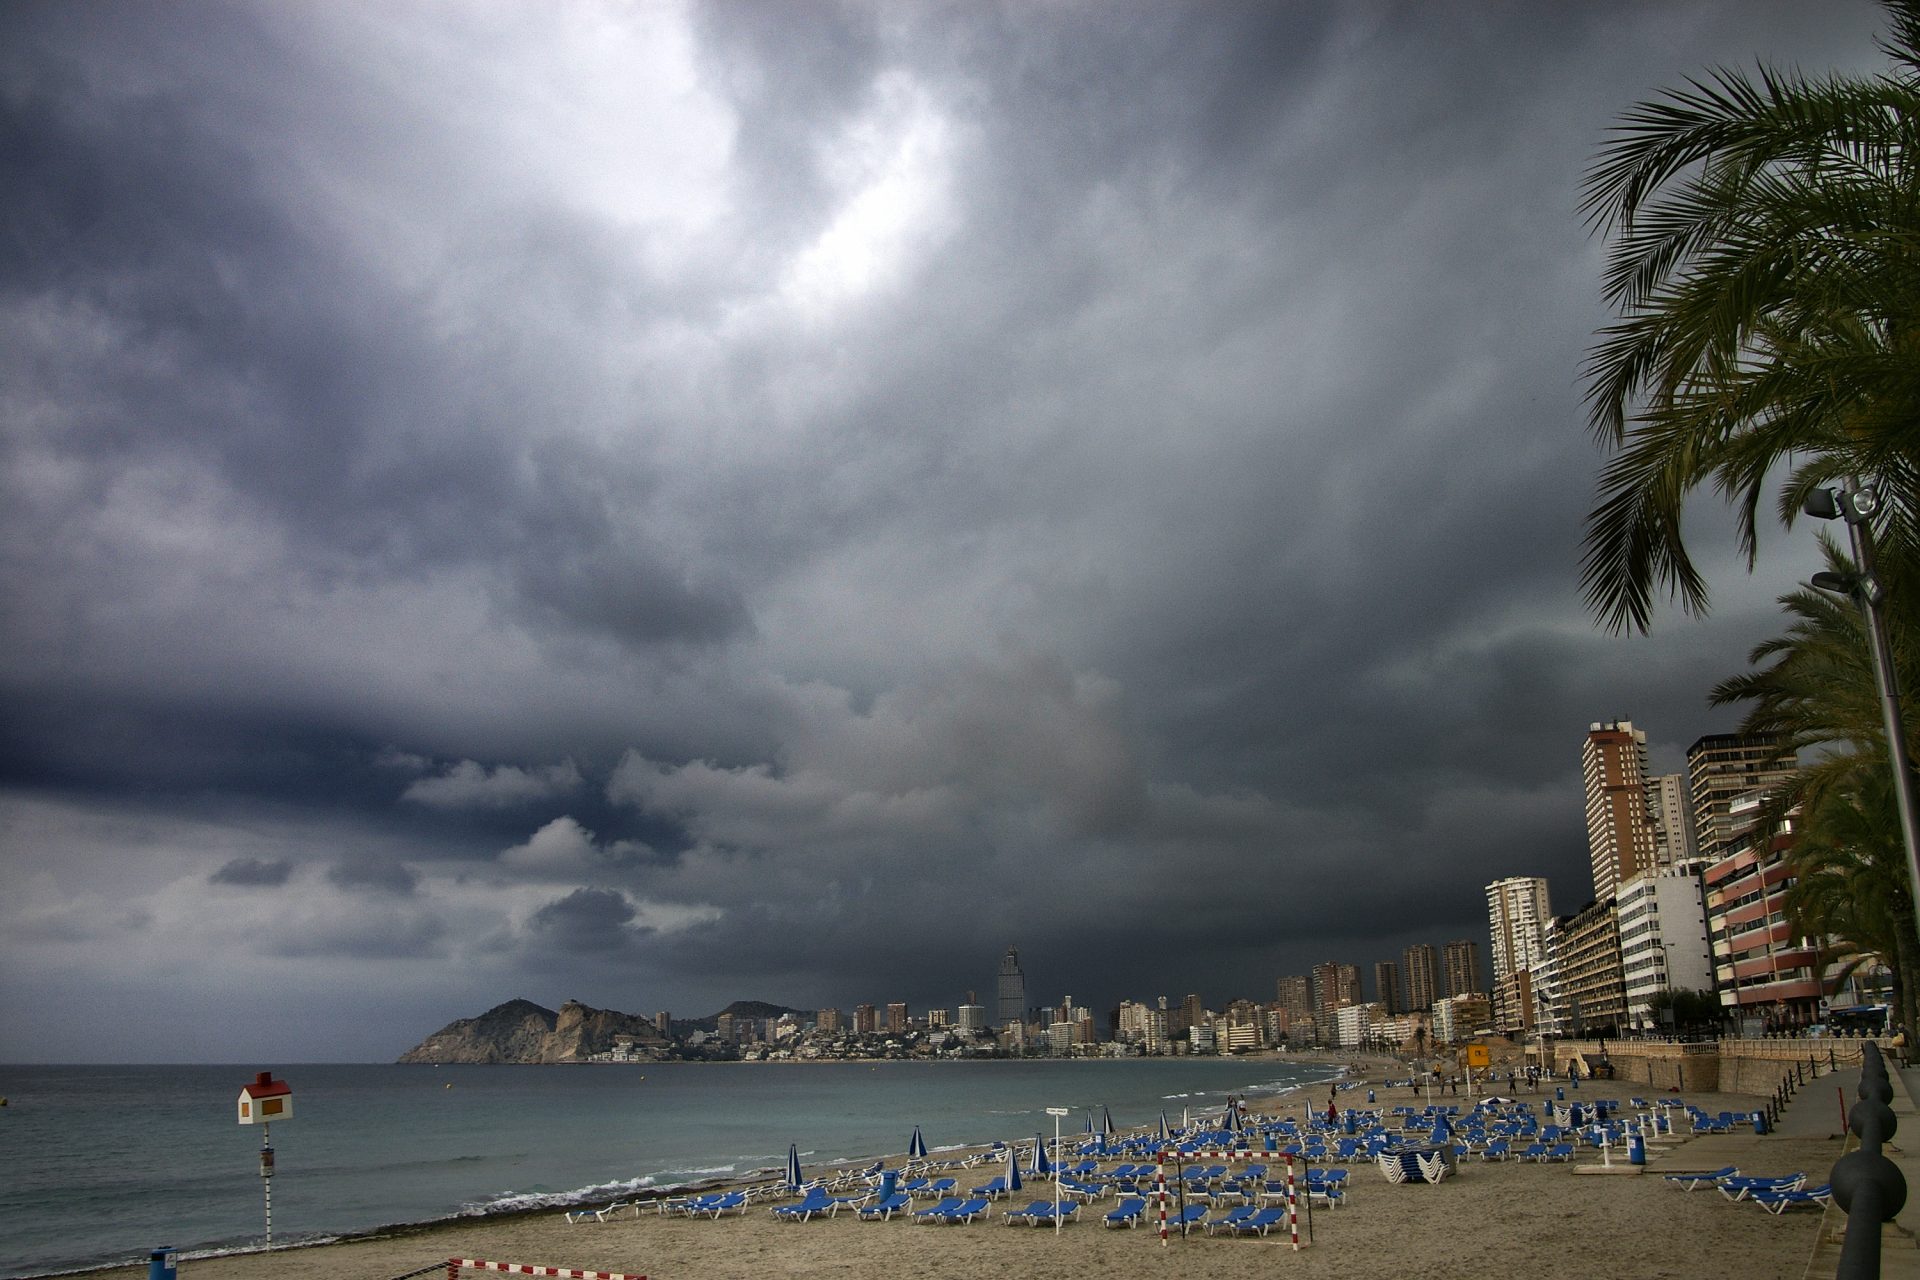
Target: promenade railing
1866	1184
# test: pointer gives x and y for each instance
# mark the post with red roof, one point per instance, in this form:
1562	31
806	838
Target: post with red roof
262	1102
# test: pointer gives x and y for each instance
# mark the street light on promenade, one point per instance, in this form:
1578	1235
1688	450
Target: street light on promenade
1857	506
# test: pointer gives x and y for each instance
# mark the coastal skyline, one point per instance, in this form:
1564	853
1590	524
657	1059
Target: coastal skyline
684	503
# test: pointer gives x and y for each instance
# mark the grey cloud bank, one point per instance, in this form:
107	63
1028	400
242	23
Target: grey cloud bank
664	504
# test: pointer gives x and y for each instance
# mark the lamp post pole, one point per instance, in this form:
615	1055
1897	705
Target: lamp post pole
1857	506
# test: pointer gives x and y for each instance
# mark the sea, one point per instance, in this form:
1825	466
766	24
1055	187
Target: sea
99	1165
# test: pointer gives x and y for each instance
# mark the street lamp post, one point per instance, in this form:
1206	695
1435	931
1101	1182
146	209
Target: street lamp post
1857	506
1057	1113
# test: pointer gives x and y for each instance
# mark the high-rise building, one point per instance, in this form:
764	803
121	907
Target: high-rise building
971	1016
864	1022
1663	940
1460	968
1386	985
663	1023
1671	804
1335	986
1295	995
1517	914
1621	842
1011	990
1722	767
1421	963
827	1020
1769	976
1585	988
897	1016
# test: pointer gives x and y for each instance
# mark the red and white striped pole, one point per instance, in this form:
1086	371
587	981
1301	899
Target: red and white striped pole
1160	1179
456	1265
1293	1208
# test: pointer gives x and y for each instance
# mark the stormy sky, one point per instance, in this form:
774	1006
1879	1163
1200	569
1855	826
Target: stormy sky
665	503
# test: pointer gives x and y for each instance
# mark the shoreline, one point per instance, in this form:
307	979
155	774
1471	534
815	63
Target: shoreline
1351	1074
1343	1065
1451	1229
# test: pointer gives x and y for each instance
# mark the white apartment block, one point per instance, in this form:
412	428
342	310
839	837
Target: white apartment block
1353	1024
1663	939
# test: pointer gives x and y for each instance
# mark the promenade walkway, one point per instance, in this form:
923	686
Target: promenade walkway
1817	1111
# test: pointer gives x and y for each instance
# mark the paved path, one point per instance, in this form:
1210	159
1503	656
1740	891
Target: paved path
1815	1112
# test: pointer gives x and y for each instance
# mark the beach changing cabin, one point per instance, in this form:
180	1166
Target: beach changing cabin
266	1099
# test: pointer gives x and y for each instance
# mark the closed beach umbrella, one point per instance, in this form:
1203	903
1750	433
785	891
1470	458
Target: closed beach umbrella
1164	1135
916	1145
1013	1169
793	1168
1106	1122
1041	1167
1231	1120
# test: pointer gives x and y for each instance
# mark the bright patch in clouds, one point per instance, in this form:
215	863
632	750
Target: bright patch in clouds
894	167
470	784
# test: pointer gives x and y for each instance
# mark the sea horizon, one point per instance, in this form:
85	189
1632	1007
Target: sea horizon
154	1153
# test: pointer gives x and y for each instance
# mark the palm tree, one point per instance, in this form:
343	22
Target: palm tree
1812	691
1766	273
1851	883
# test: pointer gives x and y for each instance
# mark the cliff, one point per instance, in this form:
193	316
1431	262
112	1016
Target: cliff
522	1031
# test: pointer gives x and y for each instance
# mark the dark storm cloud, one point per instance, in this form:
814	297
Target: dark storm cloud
376	876
591	921
734	503
254	872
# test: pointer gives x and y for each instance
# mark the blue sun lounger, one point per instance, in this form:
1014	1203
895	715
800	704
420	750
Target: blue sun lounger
1741	1188
1128	1213
938	1212
1259	1223
604	1214
966	1211
1778	1202
818	1203
1690	1181
882	1210
1239	1213
1026	1216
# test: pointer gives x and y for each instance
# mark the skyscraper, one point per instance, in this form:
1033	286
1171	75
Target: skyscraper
1460	967
1421	963
1011	989
1517	913
1295	995
1669	801
1720	768
1386	985
1335	986
1620	835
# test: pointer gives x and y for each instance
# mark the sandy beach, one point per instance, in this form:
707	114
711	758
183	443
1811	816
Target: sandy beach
1491	1217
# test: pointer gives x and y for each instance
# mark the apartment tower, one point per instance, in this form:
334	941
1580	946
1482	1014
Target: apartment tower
1621	841
1460	967
1386	986
1011	990
1421	964
1720	768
